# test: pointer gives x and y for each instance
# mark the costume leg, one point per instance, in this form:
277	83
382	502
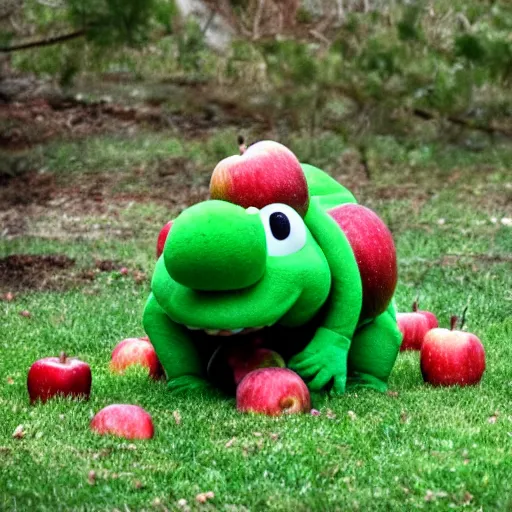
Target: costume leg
373	352
174	348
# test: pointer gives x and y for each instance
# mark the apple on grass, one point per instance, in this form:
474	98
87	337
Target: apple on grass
375	253
231	363
273	391
63	375
450	357
267	172
123	420
431	318
162	237
413	327
132	351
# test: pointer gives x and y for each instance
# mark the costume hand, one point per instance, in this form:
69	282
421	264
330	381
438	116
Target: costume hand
323	361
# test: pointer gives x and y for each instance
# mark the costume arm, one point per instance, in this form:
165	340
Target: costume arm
324	360
174	349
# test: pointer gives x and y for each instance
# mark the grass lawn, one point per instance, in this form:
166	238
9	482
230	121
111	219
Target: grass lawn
413	448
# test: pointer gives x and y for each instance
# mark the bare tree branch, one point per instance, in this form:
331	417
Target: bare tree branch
44	42
257	18
208	22
461	121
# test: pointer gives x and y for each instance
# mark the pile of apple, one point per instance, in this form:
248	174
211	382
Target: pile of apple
448	357
259	375
71	377
263	384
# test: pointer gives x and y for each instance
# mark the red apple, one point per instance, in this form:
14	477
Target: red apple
231	363
413	327
273	391
65	376
162	237
449	357
431	318
375	253
136	351
259	358
267	172
128	421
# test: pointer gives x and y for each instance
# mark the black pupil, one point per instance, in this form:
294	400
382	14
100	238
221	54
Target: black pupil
279	225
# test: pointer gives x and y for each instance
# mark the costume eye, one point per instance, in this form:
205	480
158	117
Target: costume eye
284	228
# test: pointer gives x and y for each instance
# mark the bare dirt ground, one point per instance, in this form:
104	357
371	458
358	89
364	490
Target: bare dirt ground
54	272
36	202
28	192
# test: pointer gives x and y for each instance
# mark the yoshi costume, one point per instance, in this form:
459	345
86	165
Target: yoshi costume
229	270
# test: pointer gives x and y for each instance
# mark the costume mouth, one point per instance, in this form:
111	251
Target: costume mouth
227	332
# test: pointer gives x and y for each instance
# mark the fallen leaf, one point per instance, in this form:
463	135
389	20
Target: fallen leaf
105	265
139	277
315	412
8	297
157	502
393	394
352	415
205	496
404	417
124	271
88	275
177	417
492	419
429	496
137	484
229	444
10	380
19	432
91	477
330	414
104	452
25	314
257	434
466	499
274	437
182	502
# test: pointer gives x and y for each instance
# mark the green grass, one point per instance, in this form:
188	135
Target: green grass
418	448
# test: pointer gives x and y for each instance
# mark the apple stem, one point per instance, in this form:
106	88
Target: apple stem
241	144
415	305
453	322
62	357
463	319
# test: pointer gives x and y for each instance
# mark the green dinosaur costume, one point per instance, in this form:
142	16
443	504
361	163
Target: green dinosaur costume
230	270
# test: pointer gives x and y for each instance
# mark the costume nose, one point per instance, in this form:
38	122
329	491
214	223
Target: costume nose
216	246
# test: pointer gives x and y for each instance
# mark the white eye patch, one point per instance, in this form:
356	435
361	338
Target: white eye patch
284	228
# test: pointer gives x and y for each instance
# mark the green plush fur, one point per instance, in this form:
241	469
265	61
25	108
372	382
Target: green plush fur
216	273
